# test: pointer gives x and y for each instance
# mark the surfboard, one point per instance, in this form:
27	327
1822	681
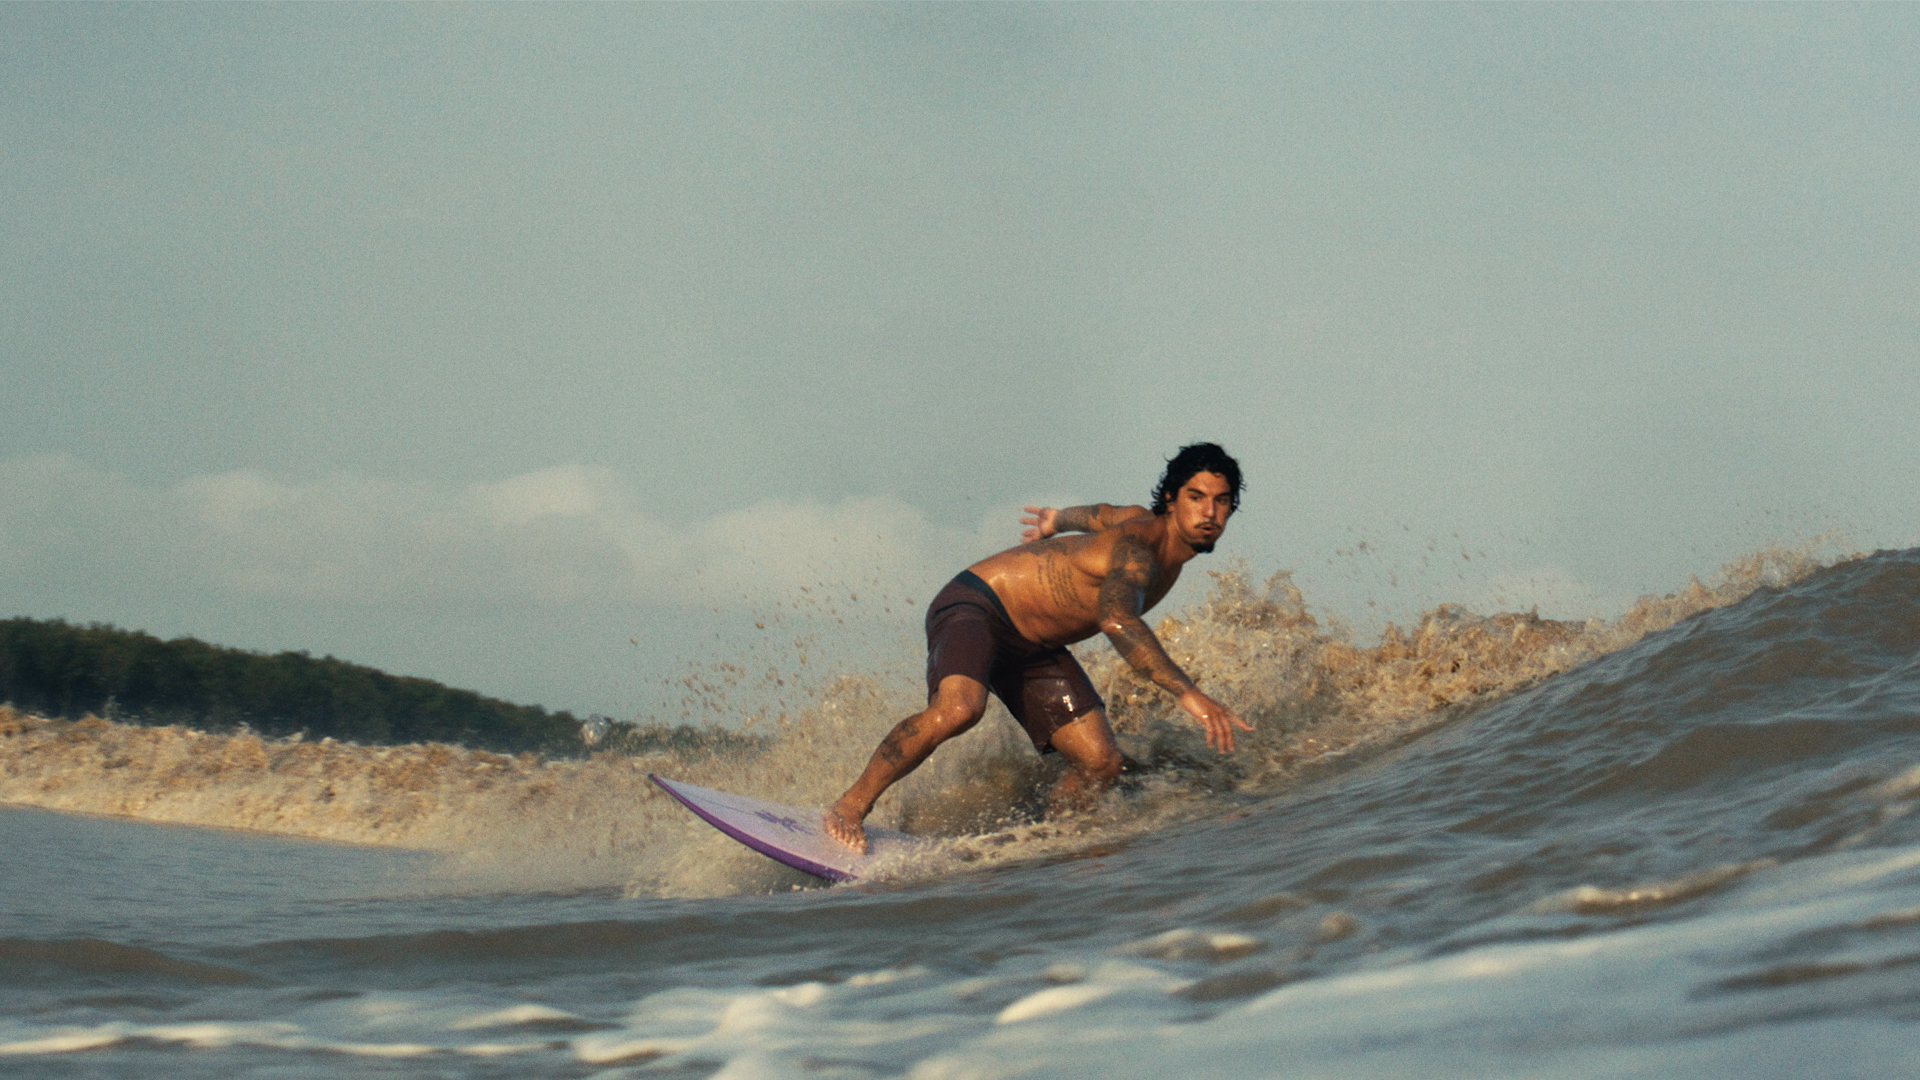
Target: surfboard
789	834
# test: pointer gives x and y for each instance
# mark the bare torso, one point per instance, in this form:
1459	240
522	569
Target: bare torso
1084	570
1051	587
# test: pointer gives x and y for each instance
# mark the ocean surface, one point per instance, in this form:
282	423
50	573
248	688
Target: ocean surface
1677	844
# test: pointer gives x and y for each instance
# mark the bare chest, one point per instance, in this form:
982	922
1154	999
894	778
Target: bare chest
1051	594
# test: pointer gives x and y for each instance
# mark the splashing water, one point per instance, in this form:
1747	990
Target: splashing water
1317	700
1696	855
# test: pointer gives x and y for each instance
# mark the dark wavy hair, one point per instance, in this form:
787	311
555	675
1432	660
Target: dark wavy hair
1198	458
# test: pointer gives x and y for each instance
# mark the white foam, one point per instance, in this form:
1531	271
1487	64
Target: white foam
383	1050
65	1041
1105	981
1054	1000
610	1049
881	978
1621	1003
500	1049
206	1036
517	1014
1563	1008
1187	944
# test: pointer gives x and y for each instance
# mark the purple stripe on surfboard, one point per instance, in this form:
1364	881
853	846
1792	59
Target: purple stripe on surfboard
753	822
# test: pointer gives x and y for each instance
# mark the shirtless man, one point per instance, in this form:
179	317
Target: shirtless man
1005	622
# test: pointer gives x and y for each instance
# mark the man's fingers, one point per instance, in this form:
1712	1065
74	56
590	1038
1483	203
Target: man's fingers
1219	736
1220	730
1042	519
1228	716
1215	719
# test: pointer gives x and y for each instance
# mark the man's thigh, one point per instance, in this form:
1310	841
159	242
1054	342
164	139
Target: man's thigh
1046	693
959	643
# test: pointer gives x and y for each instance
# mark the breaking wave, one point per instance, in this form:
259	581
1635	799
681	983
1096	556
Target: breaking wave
1318	699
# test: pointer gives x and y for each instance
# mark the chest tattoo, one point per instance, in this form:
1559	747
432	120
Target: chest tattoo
1057	572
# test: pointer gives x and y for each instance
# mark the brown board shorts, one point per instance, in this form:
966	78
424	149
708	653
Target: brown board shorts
969	633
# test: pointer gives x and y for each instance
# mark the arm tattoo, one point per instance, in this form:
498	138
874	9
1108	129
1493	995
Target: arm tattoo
1122	599
1077	519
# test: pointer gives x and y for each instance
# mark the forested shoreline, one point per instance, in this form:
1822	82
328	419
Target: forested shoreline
58	669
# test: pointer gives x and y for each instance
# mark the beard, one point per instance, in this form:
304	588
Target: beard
1201	547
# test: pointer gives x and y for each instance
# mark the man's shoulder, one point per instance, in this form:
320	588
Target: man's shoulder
1132	535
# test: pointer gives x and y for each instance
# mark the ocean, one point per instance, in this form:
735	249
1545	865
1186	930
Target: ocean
1674	844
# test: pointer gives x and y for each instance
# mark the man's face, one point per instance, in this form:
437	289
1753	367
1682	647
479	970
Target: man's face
1200	510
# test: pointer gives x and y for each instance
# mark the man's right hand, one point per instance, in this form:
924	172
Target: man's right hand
1040	522
1215	719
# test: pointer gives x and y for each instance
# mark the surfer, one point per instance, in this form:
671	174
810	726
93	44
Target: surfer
1005	622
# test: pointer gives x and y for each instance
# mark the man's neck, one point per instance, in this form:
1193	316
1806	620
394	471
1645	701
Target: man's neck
1172	551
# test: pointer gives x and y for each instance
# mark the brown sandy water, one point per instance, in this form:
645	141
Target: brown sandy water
1680	843
1317	699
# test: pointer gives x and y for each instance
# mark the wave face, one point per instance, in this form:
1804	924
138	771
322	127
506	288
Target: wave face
1318	700
1679	843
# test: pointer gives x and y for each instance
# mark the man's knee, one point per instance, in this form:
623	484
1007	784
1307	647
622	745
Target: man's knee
957	705
959	695
951	717
1088	746
1103	766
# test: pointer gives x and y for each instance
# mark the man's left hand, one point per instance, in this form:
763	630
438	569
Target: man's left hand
1040	523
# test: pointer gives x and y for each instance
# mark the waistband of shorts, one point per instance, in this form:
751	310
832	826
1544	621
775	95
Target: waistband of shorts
967	579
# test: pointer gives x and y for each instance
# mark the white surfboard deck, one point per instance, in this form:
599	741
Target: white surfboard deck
789	834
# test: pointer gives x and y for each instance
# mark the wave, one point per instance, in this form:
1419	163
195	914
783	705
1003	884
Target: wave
85	957
1319	701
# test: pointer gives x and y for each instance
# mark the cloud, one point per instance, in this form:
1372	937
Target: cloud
555	536
562	491
558	585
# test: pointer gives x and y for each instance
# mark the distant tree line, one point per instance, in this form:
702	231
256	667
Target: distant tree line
681	741
61	670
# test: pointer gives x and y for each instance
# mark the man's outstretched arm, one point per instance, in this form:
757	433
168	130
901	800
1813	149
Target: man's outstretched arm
1123	597
1045	521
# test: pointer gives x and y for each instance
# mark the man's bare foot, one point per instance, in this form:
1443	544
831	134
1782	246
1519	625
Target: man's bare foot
841	828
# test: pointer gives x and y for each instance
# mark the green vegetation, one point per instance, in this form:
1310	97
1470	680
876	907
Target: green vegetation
682	741
61	670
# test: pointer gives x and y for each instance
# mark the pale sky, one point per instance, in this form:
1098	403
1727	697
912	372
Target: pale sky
478	343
